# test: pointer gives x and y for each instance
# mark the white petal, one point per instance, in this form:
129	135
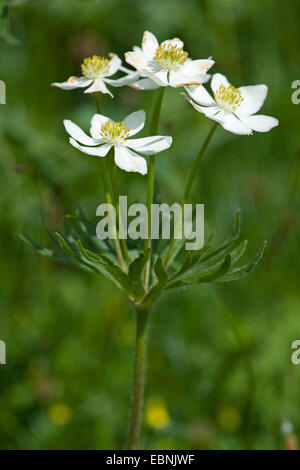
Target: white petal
136	59
150	145
149	44
217	80
177	79
232	124
77	133
98	85
135	121
144	84
114	64
161	78
253	99
97	151
196	67
260	123
130	161
200	95
212	112
126	80
96	123
173	42
73	82
125	69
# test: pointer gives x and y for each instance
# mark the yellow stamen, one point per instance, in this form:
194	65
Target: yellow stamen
116	133
95	67
170	57
229	98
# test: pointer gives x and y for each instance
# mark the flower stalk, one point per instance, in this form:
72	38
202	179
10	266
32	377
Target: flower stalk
142	319
151	176
115	192
189	185
108	196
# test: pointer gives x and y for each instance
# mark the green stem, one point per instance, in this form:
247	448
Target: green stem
190	181
151	176
107	192
142	317
115	191
109	201
98	102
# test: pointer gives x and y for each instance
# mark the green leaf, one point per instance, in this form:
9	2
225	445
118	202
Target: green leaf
156	290
105	266
86	231
238	252
176	250
222	250
135	272
191	259
40	249
67	248
121	279
88	254
47	252
242	271
216	271
5	32
160	271
73	254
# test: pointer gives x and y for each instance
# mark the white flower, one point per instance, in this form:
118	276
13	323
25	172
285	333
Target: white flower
95	71
234	108
166	64
106	133
137	81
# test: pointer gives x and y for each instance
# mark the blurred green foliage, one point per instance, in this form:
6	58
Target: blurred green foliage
219	373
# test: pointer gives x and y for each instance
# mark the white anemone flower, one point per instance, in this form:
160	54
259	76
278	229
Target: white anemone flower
106	133
95	71
234	108
166	64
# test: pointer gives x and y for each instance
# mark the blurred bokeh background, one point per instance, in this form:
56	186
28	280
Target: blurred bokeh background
220	374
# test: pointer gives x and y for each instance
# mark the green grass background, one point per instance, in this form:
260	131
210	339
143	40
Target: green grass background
219	356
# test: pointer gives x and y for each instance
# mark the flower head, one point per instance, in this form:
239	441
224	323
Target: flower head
166	64
95	67
106	133
95	73
234	108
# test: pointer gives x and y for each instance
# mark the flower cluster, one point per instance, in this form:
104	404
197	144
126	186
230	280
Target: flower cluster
144	274
160	65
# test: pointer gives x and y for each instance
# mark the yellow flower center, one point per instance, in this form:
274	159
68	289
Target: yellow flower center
229	98
95	67
116	133
170	57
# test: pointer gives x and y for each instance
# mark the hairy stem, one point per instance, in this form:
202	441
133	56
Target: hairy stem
98	102
151	176
115	191
188	188
108	199
142	317
107	192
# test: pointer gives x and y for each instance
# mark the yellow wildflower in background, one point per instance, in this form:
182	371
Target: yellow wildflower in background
157	415
60	414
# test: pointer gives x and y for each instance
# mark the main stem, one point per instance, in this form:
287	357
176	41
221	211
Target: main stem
151	176
142	317
189	185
